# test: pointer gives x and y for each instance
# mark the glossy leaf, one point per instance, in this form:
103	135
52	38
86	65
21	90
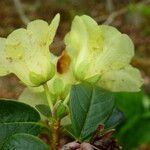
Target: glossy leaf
115	119
16	117
89	106
24	142
12	111
44	110
8	129
61	110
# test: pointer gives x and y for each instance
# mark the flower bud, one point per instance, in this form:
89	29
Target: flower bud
61	83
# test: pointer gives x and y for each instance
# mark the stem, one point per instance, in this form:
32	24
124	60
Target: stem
21	12
48	97
55	135
55	123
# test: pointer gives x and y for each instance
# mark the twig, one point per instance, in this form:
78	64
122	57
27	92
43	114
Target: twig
21	12
109	5
113	15
110	18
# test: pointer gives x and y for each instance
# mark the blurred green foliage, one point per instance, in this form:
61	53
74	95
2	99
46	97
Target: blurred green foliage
135	130
140	8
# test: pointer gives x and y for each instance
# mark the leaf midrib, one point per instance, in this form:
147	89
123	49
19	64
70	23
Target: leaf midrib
87	114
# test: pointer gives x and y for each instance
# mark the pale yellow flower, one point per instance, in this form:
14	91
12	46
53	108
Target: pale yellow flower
60	85
102	55
25	52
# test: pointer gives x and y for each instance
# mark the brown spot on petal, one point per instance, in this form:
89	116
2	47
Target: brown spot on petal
9	59
63	63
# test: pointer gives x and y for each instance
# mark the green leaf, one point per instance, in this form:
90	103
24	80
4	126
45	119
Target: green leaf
130	104
44	110
66	121
142	9
13	111
24	142
8	129
115	119
68	129
16	117
135	132
89	106
61	110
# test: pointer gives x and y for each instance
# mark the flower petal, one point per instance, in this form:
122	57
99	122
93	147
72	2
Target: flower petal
118	50
53	27
41	32
15	44
77	39
95	39
38	31
43	35
3	70
83	44
126	79
27	52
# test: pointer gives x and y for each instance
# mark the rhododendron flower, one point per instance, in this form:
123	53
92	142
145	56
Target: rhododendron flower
60	84
25	52
102	55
